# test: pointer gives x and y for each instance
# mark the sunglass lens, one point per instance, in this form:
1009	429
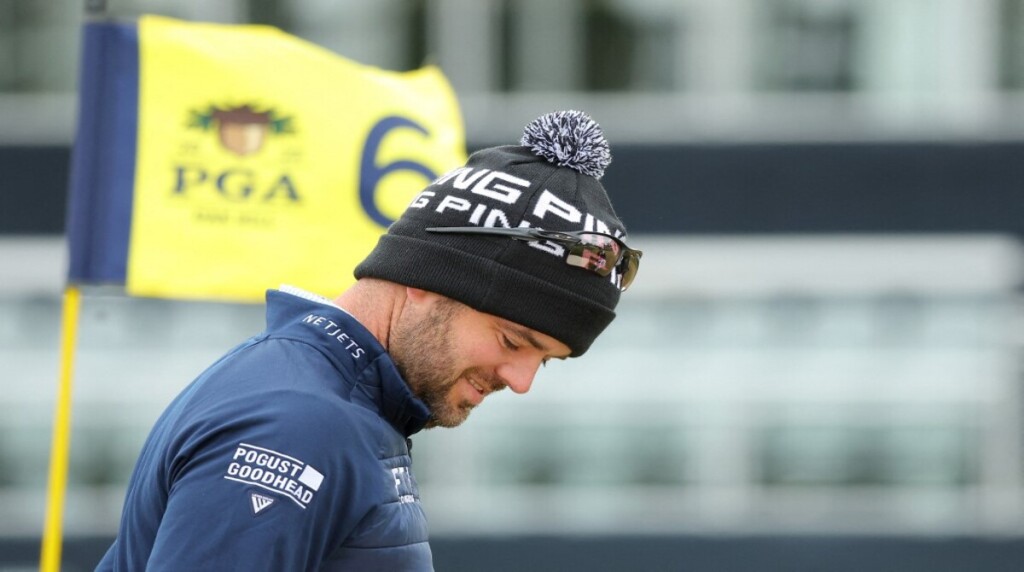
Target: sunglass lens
629	268
595	252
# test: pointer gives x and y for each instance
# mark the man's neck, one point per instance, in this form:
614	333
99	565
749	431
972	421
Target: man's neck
376	304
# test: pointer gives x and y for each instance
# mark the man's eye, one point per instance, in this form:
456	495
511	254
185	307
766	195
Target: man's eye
509	344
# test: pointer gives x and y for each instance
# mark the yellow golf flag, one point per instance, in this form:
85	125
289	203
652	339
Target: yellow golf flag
263	159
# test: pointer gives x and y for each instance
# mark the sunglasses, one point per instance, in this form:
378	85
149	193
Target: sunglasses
597	252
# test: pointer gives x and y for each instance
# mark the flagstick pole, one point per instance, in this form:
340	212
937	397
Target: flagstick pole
60	441
60	444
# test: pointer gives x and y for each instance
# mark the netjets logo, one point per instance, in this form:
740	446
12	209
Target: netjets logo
241	129
275	472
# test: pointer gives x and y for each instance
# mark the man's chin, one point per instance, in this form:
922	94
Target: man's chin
449	417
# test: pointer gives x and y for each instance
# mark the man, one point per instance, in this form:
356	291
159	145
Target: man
291	452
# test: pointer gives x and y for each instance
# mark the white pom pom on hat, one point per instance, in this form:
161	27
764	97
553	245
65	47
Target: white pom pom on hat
569	139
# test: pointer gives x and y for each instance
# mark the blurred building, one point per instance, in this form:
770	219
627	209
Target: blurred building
826	334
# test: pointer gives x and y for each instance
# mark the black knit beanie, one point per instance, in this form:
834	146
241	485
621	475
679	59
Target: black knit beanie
550	181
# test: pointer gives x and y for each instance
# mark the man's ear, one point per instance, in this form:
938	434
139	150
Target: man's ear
423	299
417	295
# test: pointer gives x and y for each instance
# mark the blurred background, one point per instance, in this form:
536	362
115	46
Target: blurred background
818	368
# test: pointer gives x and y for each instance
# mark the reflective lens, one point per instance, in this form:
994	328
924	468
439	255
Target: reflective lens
630	266
594	251
601	253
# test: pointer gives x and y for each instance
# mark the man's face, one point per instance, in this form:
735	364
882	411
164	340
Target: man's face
452	356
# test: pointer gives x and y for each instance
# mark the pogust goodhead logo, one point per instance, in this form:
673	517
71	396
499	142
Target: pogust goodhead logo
241	129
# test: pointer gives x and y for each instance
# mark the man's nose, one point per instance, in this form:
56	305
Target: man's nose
519	375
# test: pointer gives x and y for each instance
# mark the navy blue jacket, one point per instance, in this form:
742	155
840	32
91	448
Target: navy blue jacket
289	453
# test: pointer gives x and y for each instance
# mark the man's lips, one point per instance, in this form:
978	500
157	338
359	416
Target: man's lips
478	389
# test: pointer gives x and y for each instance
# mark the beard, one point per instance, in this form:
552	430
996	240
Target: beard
423	352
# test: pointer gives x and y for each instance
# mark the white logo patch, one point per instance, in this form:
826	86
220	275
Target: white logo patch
403	484
275	472
260	502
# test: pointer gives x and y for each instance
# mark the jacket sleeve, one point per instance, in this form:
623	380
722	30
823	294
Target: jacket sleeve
277	488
